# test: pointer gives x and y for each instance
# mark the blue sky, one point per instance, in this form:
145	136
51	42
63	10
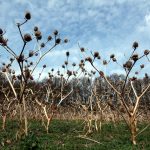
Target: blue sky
107	26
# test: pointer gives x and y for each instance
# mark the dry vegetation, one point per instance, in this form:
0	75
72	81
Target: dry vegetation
73	93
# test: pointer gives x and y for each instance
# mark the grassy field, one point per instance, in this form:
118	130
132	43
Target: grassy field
64	135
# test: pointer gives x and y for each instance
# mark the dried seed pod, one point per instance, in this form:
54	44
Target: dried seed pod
1	31
36	54
82	49
74	64
66	63
42	45
44	66
49	38
89	59
101	73
146	52
28	15
31	63
4	69
133	78
11	60
104	62
96	54
142	66
58	40
65	40
114	59
98	57
135	45
31	53
69	72
37	33
55	32
27	73
135	57
27	37
136	72
128	64
36	28
31	78
67	54
112	56
39	37
52	69
63	66
82	61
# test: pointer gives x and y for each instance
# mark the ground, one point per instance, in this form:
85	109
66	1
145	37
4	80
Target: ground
64	135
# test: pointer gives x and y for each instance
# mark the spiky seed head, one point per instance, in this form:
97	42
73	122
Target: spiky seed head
36	28
58	40
135	45
42	45
142	66
27	37
128	64
37	33
82	49
89	59
31	53
28	15
135	57
66	63
146	52
112	56
49	38
67	54
114	59
65	40
96	54
55	32
1	31
104	62
44	66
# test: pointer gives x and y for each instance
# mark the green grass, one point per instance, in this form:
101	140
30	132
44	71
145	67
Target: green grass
63	135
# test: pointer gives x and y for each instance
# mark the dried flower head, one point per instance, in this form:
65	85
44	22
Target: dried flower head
56	32
128	64
28	15
66	63
146	52
74	64
104	62
112	56
69	72
44	66
142	66
82	49
114	59
49	38
37	33
135	45
65	40
31	53
67	54
96	54
4	69
42	45
1	31
89	59
101	73
27	37
135	57
36	28
63	66
58	40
